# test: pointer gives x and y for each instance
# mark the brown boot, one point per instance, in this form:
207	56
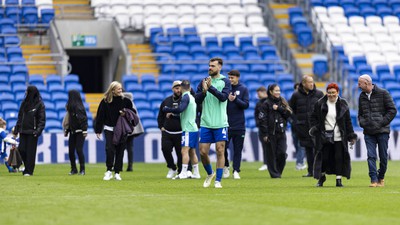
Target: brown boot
381	183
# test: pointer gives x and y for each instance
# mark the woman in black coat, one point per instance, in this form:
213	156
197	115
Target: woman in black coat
110	109
29	126
77	128
331	113
272	124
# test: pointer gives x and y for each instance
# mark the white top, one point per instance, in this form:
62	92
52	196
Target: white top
330	120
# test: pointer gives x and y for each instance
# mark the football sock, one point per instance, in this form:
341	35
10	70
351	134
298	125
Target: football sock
208	168
219	174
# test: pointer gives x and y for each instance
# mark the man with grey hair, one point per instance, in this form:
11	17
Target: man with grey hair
376	110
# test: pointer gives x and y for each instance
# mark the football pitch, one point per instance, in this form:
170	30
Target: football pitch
145	196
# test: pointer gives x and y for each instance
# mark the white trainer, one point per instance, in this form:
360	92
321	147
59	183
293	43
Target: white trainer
180	176
217	184
171	173
189	174
300	166
117	176
226	172
108	175
263	168
236	175
195	176
208	180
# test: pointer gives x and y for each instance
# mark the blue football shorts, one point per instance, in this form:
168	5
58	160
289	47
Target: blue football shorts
208	135
190	139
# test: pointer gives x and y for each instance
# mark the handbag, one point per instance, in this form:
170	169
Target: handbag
327	136
15	158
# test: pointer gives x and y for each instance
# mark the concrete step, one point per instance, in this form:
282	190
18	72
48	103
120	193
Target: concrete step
142	71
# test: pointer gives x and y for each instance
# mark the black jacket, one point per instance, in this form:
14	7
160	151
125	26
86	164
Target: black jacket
302	104
31	122
235	109
343	122
375	115
257	111
77	121
273	121
108	113
172	123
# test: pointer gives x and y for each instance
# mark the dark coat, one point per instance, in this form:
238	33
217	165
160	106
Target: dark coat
375	115
125	126
343	122
31	122
273	121
302	104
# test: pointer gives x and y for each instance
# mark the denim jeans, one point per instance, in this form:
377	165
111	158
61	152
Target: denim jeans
382	141
300	151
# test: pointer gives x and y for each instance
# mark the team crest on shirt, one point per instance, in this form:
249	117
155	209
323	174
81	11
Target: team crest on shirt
237	92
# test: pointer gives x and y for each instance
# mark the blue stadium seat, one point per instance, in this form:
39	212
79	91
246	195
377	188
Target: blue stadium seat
359	60
392	86
329	3
284	77
19	70
45	95
155	105
165	79
6	98
215	51
5	71
6	22
5	88
11	122
19	88
14	13
249	77
193	41
53	126
138	96
227	41
53	79
9	106
245	41
294	12
47	15
129	79
320	65
36	79
13	52
364	69
133	87
382	70
367	11
267	78
258	68
243	68
384	11
304	36
188	68
177	40
351	11
59	97
202	68
73	86
51	115
60	105
3	79
143	105
30	16
211	41
189	32
150	87
52	88
146	114
147	79
149	124
155	95
71	78
170	68
197	49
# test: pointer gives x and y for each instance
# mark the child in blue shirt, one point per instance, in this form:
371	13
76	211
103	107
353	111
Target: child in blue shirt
4	140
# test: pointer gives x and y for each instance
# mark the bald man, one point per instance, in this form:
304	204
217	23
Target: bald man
302	102
376	110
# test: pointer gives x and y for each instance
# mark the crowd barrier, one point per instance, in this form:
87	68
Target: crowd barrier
53	148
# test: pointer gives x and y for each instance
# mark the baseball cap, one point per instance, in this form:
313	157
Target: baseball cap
176	83
234	73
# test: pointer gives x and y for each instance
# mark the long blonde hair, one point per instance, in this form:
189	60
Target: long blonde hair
108	96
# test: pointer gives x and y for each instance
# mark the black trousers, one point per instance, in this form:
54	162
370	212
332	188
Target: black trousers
114	153
276	154
27	148
129	148
168	143
264	147
76	141
310	159
332	158
237	138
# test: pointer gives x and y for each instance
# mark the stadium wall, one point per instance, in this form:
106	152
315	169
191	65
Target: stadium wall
53	148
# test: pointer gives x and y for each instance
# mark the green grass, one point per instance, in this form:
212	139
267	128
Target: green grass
147	197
